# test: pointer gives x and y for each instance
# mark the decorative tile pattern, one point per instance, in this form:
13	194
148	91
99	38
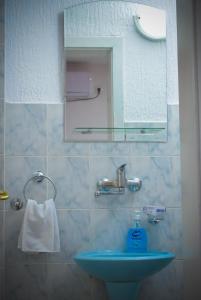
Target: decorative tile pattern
1	241
71	177
56	145
25	129
75	235
165	285
2	283
109	228
172	147
1	128
1	178
99	290
160	180
25	281
67	282
110	149
13	254
87	222
1	64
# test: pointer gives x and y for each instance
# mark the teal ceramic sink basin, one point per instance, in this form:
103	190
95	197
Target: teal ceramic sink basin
122	271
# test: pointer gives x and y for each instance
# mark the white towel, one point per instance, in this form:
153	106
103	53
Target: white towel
40	231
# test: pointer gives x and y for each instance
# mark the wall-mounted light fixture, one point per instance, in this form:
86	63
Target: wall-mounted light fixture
150	22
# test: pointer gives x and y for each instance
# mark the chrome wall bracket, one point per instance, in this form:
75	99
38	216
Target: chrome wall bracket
16	203
37	177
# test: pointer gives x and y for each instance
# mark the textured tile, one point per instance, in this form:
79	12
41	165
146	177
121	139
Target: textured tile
25	281
165	285
1	71
1	127
172	147
99	290
167	235
68	282
75	235
18	170
25	129
160	180
56	145
14	221
2	11
71	177
105	167
110	149
109	228
1	178
1	241
2	283
1	28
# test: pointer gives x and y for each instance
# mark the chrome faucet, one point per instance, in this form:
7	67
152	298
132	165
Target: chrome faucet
106	186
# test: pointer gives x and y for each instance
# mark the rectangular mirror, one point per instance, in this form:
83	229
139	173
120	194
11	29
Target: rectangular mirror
115	72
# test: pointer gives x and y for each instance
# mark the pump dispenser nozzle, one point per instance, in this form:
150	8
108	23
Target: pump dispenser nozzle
137	218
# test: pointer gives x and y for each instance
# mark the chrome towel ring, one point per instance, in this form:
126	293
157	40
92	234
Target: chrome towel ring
38	177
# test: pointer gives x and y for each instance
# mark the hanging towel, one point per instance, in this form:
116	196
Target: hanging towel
40	231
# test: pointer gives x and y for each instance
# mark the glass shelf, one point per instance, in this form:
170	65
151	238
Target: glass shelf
140	131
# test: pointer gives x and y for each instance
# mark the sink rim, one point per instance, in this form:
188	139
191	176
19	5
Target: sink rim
113	255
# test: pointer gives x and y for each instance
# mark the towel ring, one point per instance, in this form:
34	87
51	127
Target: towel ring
38	177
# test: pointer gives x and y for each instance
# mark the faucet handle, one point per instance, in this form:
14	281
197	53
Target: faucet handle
121	176
122	167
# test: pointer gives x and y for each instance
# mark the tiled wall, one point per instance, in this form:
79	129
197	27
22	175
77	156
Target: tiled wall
2	244
34	141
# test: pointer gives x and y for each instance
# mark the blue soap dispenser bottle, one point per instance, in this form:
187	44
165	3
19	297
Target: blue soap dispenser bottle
137	236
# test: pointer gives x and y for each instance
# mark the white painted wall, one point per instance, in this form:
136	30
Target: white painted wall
92	113
34	50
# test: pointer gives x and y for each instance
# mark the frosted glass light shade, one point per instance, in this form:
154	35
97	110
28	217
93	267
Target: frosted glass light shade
150	22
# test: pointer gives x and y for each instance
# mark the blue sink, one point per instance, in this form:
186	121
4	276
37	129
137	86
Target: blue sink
122	271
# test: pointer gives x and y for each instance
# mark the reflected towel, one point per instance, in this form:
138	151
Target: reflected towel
40	231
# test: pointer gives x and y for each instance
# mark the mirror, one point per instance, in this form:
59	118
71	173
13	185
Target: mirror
115	72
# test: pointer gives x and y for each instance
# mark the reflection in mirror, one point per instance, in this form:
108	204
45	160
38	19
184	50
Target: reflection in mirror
115	73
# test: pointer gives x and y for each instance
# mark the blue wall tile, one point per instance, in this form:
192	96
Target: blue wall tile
25	129
172	147
13	254
2	283
1	240
67	281
160	180
1	128
25	281
87	222
111	149
71	176
75	236
56	145
109	228
165	285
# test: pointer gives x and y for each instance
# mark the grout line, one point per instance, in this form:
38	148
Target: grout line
92	209
47	149
93	156
61	263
